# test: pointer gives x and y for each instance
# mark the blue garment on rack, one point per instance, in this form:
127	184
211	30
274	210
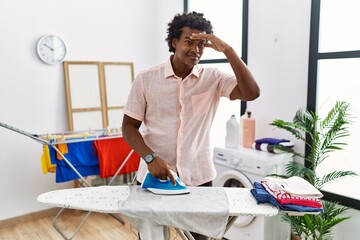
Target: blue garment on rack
82	156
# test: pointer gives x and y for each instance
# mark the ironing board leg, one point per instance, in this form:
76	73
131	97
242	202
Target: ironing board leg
185	235
230	222
83	183
117	217
59	230
188	235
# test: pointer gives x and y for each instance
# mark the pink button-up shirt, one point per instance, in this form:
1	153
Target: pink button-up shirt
178	114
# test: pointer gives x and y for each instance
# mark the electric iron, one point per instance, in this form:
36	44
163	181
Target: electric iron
164	187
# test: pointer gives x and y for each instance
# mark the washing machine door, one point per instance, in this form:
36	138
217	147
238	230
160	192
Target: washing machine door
234	178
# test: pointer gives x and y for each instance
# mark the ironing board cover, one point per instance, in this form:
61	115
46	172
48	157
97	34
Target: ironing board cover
120	199
105	199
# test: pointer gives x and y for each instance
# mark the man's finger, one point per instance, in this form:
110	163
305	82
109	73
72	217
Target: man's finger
171	177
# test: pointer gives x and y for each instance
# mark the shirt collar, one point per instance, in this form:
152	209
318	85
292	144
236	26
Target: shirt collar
169	71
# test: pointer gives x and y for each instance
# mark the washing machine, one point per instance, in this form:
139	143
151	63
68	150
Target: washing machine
241	168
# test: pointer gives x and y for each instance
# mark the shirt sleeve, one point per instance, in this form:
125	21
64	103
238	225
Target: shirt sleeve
136	104
227	82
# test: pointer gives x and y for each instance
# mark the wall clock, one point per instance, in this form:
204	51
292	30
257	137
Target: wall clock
51	49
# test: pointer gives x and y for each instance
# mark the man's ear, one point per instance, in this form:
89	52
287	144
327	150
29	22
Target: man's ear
174	42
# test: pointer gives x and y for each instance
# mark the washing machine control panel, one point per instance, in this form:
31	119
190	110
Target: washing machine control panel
252	160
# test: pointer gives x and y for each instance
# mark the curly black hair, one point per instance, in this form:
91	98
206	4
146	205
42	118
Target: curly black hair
193	20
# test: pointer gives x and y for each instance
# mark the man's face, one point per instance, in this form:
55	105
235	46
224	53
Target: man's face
187	50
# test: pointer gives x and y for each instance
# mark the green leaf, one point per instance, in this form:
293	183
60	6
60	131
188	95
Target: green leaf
294	129
336	175
322	137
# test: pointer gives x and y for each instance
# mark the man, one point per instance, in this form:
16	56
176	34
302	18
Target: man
177	101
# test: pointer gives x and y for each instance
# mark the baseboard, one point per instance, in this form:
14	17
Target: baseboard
30	217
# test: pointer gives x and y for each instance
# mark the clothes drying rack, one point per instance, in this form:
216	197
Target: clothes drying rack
54	139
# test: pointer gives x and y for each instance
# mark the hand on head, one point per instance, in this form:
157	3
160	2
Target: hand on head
211	41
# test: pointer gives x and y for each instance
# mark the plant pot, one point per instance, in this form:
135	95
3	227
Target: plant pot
295	236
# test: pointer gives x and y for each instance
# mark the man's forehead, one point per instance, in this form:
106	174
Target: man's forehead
187	31
195	40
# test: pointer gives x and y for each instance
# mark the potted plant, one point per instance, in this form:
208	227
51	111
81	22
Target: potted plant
323	138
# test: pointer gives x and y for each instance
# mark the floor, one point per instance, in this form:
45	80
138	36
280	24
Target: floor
97	226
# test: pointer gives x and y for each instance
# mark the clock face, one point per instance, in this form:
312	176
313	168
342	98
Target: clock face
51	49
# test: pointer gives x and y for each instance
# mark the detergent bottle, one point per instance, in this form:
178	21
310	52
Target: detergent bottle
248	130
232	133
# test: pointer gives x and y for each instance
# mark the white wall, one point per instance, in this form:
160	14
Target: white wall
278	57
32	94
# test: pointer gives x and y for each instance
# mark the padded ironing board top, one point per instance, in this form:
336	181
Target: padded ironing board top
241	202
105	199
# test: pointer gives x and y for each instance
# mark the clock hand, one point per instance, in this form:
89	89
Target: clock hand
49	47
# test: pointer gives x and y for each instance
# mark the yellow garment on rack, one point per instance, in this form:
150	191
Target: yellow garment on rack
46	164
63	149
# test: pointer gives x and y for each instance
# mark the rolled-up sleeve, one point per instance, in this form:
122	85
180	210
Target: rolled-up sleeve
136	103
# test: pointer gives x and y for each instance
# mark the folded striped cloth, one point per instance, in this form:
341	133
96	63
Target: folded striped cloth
304	194
271	141
263	196
269	144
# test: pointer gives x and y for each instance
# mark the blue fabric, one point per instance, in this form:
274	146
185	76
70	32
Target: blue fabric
263	196
81	155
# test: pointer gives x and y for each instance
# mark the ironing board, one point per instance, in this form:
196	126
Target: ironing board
54	139
105	199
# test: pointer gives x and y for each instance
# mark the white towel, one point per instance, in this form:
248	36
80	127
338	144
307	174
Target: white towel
205	210
296	186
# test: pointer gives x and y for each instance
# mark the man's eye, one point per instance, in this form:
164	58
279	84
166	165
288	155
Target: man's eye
201	45
189	42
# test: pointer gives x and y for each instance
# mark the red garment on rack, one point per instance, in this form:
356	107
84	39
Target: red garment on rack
112	153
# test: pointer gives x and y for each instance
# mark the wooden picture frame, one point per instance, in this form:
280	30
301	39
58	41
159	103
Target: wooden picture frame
96	93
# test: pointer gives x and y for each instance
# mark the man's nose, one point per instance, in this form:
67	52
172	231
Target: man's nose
196	48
